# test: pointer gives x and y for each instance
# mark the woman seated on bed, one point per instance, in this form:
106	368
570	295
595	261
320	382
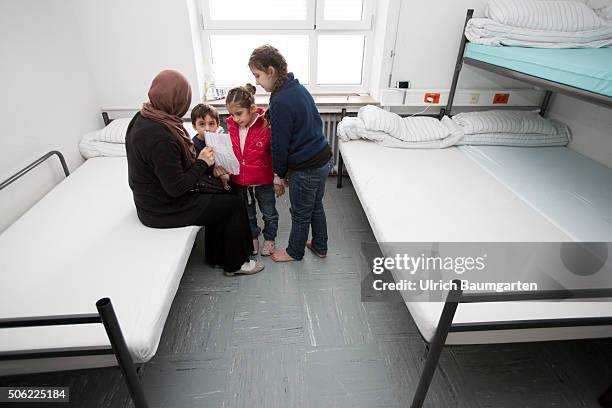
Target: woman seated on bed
163	169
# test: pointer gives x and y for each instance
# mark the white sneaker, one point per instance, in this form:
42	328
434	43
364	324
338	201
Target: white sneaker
255	246
268	248
248	268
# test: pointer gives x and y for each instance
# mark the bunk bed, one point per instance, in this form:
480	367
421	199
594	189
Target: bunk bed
585	74
490	194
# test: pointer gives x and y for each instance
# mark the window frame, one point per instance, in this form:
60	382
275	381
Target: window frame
243	27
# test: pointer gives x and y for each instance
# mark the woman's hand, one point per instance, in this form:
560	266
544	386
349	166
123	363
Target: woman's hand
207	155
219	171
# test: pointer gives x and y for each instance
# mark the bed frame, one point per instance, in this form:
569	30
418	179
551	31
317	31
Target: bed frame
455	297
106	316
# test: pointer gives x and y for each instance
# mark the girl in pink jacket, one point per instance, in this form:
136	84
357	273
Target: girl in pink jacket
250	135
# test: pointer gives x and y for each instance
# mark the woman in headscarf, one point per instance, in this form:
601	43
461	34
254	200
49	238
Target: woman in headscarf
163	169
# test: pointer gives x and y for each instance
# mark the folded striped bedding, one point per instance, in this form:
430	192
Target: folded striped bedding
560	137
391	130
502	128
550	15
489	32
510	128
540	24
503	121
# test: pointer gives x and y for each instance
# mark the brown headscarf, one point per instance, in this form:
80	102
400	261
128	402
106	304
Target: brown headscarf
169	100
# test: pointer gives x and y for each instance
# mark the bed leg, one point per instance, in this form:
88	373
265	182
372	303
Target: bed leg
605	400
126	364
437	344
340	165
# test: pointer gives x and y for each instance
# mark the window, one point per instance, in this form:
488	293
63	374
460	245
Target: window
231	52
325	42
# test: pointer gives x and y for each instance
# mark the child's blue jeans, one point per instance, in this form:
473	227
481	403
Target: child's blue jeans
306	191
264	195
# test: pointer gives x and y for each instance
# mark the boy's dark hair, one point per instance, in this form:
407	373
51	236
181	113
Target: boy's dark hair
201	110
242	95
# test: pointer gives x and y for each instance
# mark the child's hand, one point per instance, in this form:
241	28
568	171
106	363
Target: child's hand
225	180
219	171
279	190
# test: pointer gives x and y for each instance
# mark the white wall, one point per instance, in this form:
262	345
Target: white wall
428	41
129	42
47	101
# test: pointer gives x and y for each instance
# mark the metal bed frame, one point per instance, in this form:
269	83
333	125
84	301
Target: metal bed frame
106	316
107	119
456	296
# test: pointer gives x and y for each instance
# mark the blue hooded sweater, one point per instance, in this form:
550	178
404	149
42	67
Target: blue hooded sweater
297	129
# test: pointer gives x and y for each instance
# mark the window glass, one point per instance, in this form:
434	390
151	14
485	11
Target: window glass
231	52
343	10
340	59
257	10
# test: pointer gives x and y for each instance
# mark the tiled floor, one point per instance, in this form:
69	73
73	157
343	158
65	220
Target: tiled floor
298	335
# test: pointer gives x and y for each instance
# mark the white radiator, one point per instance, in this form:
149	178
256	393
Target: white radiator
330	126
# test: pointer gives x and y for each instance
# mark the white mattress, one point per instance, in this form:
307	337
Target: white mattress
570	190
82	242
442	195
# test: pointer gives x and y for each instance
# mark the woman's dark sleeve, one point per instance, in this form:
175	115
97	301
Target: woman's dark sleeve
166	159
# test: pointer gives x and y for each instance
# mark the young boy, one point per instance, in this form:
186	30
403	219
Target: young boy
205	118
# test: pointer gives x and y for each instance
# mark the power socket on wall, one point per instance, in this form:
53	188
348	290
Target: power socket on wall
463	97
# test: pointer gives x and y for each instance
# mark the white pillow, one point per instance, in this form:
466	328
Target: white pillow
108	141
114	132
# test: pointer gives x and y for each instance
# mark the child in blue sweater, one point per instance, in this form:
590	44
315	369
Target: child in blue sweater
300	152
205	118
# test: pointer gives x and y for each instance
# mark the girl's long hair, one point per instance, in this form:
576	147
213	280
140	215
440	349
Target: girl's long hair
265	57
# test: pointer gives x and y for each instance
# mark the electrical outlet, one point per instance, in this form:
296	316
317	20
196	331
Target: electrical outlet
501	98
431	97
474	98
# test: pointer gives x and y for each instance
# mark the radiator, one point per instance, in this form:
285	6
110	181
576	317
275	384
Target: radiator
330	126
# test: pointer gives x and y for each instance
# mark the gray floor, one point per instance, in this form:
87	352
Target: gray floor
297	335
